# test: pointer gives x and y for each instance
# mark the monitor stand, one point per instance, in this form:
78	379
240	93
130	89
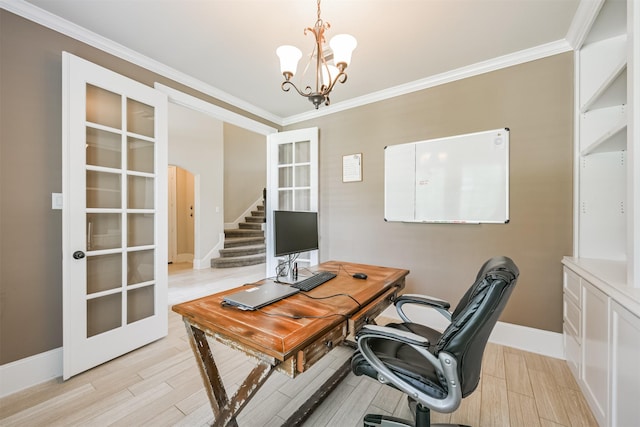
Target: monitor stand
290	280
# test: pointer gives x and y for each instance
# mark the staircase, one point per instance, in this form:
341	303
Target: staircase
244	245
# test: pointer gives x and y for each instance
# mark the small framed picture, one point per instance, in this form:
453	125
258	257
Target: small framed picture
352	167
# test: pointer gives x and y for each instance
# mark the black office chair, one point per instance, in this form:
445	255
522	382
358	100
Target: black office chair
436	370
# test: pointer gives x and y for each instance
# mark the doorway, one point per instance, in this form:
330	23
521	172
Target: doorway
181	197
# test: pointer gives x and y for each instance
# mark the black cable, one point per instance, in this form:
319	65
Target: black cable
333	296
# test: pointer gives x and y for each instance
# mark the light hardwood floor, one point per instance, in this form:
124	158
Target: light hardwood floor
159	385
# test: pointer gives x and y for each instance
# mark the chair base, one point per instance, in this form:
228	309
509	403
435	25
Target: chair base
422	416
374	420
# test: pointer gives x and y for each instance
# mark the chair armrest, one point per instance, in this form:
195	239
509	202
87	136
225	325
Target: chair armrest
445	364
440	305
375	331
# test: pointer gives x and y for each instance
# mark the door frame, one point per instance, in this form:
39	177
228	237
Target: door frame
180	98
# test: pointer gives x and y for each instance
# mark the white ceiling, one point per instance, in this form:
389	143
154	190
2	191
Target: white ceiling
230	44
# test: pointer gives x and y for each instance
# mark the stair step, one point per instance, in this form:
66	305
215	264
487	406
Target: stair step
234	242
250	226
242	251
240	261
259	213
241	232
253	219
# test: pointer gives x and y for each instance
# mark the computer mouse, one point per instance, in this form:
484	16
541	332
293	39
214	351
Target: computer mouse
360	276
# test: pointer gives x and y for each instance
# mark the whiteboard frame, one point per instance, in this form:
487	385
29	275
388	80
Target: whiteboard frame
402	173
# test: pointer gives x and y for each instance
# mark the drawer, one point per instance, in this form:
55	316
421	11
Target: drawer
572	319
571	285
572	353
308	356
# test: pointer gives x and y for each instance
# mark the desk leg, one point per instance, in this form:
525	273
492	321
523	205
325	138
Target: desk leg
224	408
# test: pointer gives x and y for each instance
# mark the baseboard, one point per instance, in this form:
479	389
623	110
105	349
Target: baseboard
24	373
246	213
546	343
30	371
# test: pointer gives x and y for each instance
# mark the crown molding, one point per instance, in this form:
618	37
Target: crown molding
56	23
494	64
582	21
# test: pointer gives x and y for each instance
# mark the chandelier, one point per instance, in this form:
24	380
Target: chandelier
326	74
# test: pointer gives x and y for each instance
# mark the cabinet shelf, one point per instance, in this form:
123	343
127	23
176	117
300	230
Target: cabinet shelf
604	65
614	139
603	130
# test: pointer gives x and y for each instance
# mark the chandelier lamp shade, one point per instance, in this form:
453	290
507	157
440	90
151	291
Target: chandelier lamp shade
327	65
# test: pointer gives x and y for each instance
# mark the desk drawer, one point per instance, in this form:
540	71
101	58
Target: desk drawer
305	358
372	310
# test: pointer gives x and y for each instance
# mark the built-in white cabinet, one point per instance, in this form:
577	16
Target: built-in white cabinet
602	343
602	280
595	341
625	372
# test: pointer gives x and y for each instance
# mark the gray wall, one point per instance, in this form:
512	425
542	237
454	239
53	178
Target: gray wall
535	101
30	170
245	170
196	144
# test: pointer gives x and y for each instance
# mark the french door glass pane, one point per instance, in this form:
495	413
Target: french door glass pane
285	176
140	155
303	176
104	314
303	152
303	200
140	118
104	272
140	303
285	200
104	190
140	266
140	229
104	107
285	154
104	148
140	192
104	231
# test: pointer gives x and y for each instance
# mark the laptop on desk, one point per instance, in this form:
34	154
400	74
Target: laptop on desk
258	296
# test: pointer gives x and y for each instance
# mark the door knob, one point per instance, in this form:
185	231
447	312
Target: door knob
78	255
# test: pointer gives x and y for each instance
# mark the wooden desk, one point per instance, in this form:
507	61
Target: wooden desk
289	335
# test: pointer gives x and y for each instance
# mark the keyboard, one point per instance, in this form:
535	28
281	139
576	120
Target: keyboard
314	281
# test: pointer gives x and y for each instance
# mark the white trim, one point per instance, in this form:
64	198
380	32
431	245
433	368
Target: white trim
30	371
205	262
54	22
583	19
538	341
494	64
70	29
220	113
247	212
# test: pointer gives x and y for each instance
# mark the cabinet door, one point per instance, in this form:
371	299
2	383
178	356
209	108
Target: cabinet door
595	353
625	373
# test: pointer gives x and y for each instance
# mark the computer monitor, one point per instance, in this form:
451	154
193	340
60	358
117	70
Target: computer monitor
294	232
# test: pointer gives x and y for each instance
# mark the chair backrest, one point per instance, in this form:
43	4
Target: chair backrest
474	318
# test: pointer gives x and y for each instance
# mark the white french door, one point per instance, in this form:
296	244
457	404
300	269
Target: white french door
292	182
114	215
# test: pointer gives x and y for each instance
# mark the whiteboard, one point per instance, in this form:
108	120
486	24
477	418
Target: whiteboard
457	179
